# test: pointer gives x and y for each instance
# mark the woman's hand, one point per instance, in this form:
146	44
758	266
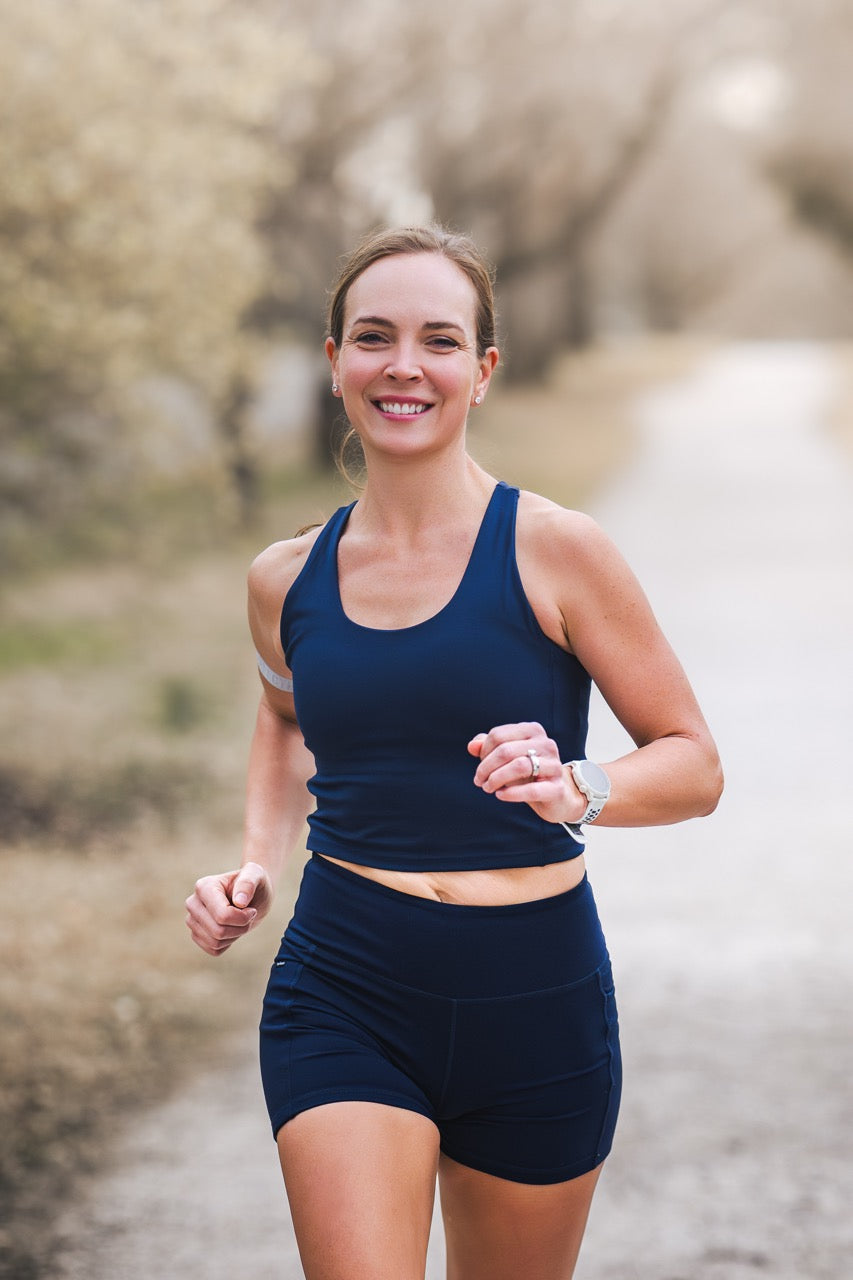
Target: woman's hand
509	755
222	908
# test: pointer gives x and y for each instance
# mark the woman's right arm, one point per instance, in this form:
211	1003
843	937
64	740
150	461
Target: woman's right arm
225	906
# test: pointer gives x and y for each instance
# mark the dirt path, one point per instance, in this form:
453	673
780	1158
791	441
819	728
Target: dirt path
730	937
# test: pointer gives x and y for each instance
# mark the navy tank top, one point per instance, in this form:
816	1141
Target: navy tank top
388	714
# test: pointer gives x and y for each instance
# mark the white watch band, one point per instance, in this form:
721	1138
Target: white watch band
596	796
593	809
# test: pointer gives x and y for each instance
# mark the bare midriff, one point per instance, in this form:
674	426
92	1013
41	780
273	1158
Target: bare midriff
487	888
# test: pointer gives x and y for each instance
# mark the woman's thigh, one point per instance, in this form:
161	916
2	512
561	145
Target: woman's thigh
360	1179
500	1230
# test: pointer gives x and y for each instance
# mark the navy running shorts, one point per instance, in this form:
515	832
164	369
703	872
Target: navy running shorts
497	1023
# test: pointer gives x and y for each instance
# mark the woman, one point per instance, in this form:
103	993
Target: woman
442	1004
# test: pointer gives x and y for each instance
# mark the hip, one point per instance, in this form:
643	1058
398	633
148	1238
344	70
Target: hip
344	922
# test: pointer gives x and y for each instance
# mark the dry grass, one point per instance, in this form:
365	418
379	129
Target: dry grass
127	696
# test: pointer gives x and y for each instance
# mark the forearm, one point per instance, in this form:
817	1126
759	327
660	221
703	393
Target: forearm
277	798
668	780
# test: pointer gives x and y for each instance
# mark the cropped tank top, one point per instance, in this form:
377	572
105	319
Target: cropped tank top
388	714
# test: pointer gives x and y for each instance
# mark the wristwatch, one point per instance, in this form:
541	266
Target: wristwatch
593	783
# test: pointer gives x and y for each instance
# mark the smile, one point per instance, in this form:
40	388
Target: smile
403	408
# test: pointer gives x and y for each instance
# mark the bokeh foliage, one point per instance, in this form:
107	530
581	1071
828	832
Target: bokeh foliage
135	146
180	177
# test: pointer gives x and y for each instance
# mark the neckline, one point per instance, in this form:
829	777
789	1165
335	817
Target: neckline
434	617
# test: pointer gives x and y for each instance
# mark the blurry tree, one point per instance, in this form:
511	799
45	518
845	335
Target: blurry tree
701	221
810	154
338	173
573	99
524	122
182	175
134	148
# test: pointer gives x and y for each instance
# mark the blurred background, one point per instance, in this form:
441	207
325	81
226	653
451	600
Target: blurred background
180	178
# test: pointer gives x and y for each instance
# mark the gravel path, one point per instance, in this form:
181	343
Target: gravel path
730	937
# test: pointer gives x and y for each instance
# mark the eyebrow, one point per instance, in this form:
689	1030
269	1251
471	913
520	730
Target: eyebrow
389	324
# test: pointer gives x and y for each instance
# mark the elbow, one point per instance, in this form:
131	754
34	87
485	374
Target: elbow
713	789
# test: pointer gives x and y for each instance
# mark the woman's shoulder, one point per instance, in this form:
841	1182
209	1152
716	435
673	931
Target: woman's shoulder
545	524
569	555
273	572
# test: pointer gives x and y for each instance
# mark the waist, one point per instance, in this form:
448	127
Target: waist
344	922
492	887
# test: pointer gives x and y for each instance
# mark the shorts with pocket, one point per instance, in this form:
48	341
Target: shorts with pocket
497	1023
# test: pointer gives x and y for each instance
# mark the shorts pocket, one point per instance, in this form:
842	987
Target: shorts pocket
611	1032
281	988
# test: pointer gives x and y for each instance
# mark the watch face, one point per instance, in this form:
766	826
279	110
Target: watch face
595	777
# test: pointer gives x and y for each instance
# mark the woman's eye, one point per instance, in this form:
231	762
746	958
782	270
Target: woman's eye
443	343
370	339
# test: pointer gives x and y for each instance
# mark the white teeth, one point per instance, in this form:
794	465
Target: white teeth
392	406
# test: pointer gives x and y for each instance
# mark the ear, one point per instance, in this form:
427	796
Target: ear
486	368
332	356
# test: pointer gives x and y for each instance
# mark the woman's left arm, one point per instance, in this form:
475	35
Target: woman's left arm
675	771
581	587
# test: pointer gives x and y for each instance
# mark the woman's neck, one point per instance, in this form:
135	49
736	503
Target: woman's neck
401	499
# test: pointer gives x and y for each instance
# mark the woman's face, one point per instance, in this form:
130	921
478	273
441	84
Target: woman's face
407	367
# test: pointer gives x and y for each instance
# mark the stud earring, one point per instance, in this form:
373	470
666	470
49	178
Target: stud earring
478	399
334	388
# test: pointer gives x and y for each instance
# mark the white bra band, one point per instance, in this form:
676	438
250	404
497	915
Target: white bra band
272	677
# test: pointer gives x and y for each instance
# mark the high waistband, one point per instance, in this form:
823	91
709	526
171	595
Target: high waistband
342	918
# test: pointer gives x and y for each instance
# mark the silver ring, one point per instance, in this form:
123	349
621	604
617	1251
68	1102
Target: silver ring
534	764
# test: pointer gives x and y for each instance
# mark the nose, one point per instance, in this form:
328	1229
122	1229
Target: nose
403	363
